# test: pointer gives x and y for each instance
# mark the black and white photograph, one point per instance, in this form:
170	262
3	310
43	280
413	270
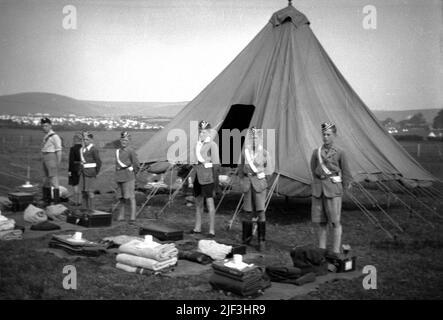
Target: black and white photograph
221	154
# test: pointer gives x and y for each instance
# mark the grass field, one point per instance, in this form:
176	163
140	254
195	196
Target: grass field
410	267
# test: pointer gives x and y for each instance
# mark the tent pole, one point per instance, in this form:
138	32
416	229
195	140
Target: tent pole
271	192
370	196
386	188
226	190
237	209
173	195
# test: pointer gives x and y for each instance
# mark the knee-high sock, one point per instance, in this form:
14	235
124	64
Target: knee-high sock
336	237
198	213
91	201
322	231
133	208
85	200
121	214
211	209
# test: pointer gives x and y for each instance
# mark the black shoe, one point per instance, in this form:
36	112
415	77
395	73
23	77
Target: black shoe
210	236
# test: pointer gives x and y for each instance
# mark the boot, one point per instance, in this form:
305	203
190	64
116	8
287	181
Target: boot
246	231
261	229
56	198
46	195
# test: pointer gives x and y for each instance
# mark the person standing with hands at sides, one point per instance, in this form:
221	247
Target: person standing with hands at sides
51	158
126	168
74	167
89	169
203	177
331	176
255	165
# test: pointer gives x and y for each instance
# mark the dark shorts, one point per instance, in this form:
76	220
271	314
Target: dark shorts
205	190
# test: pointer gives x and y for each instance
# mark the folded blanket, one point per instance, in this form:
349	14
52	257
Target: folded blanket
2	218
234	274
137	270
55	211
34	215
119	240
15	234
213	249
9	224
194	256
146	263
251	288
153	250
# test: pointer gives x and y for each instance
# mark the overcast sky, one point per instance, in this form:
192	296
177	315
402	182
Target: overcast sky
169	50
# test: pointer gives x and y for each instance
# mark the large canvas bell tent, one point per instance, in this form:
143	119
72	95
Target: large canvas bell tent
284	80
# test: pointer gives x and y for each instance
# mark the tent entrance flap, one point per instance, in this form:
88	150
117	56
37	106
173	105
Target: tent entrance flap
232	133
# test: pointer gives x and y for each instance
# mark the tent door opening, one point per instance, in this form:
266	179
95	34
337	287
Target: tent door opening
239	117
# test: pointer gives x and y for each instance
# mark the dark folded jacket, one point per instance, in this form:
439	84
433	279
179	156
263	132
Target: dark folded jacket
45	226
237	274
284	274
309	259
250	288
86	248
194	256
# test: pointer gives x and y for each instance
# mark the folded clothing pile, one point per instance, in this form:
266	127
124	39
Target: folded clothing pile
8	229
309	259
34	214
117	241
81	247
250	280
213	249
148	255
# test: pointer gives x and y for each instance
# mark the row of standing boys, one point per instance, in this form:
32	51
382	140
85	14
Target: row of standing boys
331	177
84	166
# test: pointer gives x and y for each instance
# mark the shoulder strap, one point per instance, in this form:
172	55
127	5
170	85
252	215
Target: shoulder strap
117	156
322	165
49	136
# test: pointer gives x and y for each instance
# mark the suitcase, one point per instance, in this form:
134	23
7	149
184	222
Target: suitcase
20	200
343	263
236	249
161	232
89	218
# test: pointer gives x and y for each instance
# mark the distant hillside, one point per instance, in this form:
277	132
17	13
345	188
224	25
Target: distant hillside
39	102
150	109
57	105
429	114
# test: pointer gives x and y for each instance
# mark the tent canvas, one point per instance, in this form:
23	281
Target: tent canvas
288	77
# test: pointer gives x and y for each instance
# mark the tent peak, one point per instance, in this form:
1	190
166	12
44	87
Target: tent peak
288	14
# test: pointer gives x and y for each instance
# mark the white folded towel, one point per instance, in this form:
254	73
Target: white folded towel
150	250
9	224
213	249
146	263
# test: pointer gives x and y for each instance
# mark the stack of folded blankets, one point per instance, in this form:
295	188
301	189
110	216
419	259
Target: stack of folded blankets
8	229
81	247
145	257
246	280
